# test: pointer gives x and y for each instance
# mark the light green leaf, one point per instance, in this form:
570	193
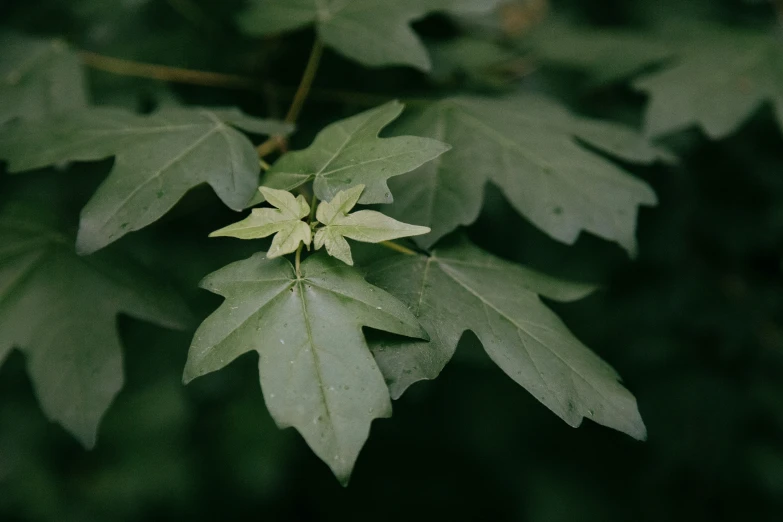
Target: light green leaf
349	153
61	311
373	32
317	373
534	150
366	225
285	221
38	77
158	159
721	77
462	288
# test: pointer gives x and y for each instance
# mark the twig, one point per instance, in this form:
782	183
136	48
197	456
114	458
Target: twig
278	142
307	82
166	73
398	248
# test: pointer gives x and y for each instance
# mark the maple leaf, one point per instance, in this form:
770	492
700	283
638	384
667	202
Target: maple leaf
285	221
459	288
719	79
349	152
158	159
534	150
373	32
38	77
61	310
708	76
317	373
365	225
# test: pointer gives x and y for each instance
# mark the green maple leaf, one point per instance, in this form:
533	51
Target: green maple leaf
61	310
720	78
158	159
373	32
285	221
349	152
534	150
477	62
460	288
38	77
605	55
714	77
365	225
317	373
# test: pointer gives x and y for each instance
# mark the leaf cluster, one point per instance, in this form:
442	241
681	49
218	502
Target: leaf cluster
426	174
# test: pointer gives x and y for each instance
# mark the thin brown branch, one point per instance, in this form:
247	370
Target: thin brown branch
165	73
227	81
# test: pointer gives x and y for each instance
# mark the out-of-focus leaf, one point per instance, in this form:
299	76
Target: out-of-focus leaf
373	32
720	78
61	311
38	77
482	63
605	55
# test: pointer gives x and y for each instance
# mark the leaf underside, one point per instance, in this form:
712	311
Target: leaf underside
284	221
367	226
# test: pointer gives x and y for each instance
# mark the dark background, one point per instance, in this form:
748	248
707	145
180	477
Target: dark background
694	324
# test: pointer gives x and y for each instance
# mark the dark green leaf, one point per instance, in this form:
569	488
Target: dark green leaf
534	150
462	288
61	311
373	32
720	78
349	153
158	159
38	77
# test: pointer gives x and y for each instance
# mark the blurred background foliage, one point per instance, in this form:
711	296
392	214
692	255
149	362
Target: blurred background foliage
694	324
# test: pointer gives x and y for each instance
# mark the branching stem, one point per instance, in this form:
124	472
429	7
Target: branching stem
181	75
